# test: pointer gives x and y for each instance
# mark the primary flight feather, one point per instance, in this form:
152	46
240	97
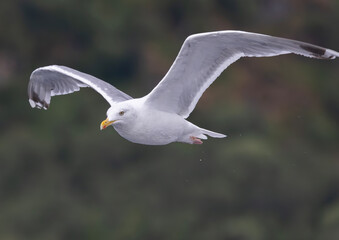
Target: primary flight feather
160	117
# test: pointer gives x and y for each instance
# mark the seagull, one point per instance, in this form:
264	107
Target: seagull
159	118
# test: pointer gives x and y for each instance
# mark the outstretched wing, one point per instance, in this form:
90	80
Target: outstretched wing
59	80
204	56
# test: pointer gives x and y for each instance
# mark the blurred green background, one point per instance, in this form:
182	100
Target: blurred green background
275	177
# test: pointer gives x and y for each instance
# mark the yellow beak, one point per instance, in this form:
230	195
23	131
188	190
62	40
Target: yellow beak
104	124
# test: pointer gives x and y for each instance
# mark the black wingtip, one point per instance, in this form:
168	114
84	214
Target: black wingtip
314	50
39	103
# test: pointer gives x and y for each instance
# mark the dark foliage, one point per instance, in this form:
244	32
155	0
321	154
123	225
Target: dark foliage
275	177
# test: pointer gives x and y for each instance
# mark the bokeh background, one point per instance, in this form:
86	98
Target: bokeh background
275	177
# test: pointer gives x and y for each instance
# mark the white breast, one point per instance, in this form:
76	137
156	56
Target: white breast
153	127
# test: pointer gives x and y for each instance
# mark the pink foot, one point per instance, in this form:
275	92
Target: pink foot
196	140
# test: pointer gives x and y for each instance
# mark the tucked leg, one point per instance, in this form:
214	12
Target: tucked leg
195	140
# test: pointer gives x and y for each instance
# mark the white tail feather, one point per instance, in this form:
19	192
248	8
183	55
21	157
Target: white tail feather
212	134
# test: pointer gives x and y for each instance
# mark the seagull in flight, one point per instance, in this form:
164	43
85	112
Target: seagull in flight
159	118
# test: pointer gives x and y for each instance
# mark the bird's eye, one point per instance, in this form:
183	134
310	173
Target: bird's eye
121	113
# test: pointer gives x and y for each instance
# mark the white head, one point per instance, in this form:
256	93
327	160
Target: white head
119	114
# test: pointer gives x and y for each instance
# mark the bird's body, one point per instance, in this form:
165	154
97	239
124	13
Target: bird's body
159	117
164	130
167	127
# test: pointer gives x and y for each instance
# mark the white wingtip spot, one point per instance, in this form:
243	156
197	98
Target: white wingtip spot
38	105
32	103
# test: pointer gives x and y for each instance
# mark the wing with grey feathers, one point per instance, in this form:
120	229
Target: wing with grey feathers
203	57
49	81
